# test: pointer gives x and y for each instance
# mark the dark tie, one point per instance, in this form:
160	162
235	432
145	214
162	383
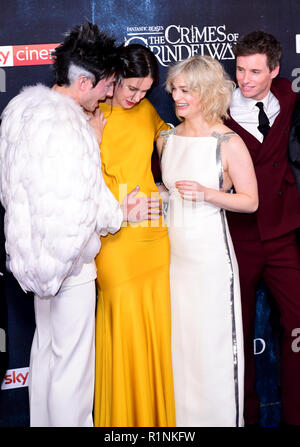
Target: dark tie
263	120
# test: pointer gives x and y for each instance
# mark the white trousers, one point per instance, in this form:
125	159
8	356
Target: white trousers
61	379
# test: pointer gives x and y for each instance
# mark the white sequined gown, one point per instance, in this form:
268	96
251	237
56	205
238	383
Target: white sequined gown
207	340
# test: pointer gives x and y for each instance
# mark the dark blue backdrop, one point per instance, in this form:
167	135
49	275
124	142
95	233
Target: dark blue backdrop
173	30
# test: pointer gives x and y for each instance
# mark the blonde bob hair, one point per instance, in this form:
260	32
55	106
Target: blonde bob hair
205	76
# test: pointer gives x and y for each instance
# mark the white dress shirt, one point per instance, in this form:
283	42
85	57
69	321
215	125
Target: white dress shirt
245	112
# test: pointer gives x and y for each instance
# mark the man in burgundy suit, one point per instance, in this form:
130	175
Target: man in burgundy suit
265	242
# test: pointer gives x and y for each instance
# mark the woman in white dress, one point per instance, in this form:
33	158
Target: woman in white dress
201	160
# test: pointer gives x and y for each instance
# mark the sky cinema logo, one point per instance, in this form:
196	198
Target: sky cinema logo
14	55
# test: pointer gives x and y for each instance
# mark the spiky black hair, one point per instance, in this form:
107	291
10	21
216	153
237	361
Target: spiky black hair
85	46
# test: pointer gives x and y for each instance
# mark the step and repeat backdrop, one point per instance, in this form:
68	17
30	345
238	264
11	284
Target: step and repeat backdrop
174	30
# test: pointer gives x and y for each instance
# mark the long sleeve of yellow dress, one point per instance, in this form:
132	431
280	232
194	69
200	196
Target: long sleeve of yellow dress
134	383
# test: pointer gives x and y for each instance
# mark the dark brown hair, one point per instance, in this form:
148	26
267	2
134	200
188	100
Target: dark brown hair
262	43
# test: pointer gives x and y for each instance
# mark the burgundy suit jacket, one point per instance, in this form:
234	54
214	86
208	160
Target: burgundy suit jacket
279	203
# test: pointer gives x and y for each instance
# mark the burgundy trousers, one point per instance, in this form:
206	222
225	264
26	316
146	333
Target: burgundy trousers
277	261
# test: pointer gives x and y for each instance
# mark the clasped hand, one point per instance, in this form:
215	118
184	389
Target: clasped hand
191	190
136	209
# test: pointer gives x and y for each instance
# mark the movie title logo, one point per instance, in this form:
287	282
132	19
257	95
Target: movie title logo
175	42
15	55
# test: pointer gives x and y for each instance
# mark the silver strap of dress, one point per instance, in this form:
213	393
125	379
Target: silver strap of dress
165	135
220	139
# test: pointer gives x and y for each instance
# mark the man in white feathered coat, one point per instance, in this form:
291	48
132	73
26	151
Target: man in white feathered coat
56	207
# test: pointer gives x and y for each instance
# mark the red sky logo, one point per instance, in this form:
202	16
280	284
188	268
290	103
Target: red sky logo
15	378
14	55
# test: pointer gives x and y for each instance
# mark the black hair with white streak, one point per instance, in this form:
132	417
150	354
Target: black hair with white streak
88	49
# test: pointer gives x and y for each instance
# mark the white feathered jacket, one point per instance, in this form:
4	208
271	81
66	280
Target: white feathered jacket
51	186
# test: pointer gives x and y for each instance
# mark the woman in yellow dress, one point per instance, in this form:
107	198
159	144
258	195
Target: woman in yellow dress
134	384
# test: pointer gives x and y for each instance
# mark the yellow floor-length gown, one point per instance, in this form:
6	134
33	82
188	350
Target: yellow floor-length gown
134	382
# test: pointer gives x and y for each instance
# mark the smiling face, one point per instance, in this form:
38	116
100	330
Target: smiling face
187	103
131	91
254	76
